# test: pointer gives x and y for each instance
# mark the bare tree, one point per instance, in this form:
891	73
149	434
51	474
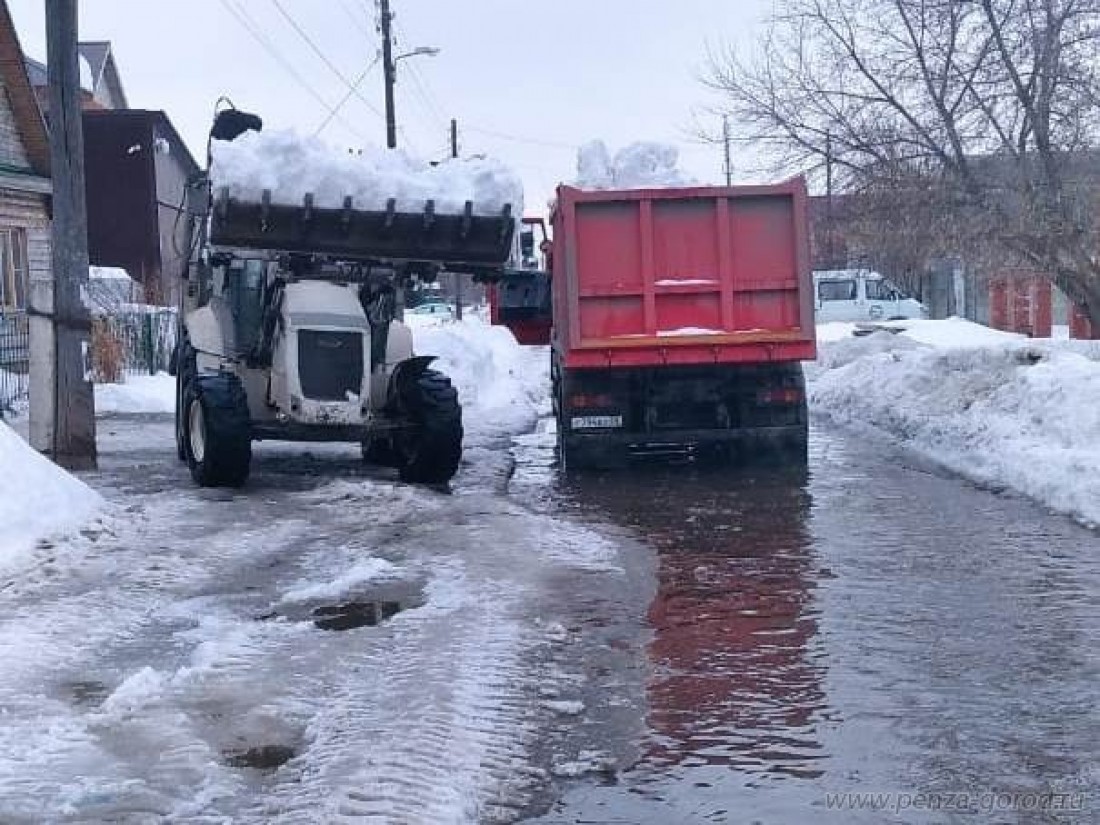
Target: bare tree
987	110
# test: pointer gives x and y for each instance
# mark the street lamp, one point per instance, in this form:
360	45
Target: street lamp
425	51
391	80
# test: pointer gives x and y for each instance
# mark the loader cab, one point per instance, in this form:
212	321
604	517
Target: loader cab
860	295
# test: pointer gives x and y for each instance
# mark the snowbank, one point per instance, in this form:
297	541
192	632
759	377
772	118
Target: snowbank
291	166
37	499
140	394
502	386
637	166
1001	411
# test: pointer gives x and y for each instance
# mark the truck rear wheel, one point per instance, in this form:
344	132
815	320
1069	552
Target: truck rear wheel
431	452
217	429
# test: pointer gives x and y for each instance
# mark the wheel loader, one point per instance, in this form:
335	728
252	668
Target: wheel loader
291	330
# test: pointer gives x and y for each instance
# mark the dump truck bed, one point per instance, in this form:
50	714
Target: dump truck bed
682	276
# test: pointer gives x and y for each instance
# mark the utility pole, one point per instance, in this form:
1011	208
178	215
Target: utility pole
728	152
74	445
389	71
458	276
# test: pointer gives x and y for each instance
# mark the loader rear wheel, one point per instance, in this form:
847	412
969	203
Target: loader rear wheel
218	431
430	453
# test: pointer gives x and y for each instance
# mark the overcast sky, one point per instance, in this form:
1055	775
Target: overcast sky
527	82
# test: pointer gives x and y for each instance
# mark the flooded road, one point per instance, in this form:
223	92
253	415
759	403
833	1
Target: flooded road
872	627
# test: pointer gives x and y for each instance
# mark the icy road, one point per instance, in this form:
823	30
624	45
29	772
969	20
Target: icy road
675	647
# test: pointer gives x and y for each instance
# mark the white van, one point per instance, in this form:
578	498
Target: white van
861	295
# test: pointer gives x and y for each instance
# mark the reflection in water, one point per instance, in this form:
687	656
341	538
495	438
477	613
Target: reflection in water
736	681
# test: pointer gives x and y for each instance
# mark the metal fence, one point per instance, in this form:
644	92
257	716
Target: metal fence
136	340
14	358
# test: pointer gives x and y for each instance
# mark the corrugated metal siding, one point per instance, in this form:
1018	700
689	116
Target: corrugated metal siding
12	152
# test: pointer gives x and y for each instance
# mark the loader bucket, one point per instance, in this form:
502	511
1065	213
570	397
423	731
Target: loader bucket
462	243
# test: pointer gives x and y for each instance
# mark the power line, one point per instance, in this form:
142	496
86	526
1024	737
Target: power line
521	139
324	57
355	19
343	101
249	25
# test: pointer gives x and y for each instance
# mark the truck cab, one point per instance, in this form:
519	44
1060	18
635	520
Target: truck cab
862	295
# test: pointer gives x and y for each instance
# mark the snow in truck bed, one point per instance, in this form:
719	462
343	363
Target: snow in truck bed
291	165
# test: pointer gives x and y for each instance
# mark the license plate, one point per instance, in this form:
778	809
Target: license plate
597	422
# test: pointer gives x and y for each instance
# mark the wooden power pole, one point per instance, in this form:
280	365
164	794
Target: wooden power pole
389	72
74	443
457	276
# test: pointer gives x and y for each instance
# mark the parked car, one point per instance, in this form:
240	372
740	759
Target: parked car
433	309
862	295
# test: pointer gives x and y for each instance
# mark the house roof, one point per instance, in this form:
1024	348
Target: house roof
101	59
24	103
102	69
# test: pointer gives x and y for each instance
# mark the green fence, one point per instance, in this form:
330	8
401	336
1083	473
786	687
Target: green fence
133	342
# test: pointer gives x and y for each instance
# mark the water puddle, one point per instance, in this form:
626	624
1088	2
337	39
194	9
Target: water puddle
366	606
350	615
262	758
85	693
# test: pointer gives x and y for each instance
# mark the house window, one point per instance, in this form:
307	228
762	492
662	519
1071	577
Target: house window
13	268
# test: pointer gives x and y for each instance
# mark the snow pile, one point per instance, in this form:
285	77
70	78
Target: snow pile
140	394
502	386
1018	414
640	165
291	166
37	498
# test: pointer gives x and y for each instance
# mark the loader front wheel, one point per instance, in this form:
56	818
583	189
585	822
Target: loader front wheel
218	431
430	452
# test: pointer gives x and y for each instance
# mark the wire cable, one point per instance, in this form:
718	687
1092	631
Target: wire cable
351	92
257	34
554	144
325	58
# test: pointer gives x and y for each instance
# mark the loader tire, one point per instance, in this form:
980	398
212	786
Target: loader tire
185	371
380	451
218	431
430	453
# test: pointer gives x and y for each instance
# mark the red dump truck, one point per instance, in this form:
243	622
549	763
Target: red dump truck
680	321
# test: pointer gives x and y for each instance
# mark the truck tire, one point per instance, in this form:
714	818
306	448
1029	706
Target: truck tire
431	452
217	431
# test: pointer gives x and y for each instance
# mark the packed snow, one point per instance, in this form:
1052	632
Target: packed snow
642	165
139	394
952	332
38	500
500	384
999	409
291	166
